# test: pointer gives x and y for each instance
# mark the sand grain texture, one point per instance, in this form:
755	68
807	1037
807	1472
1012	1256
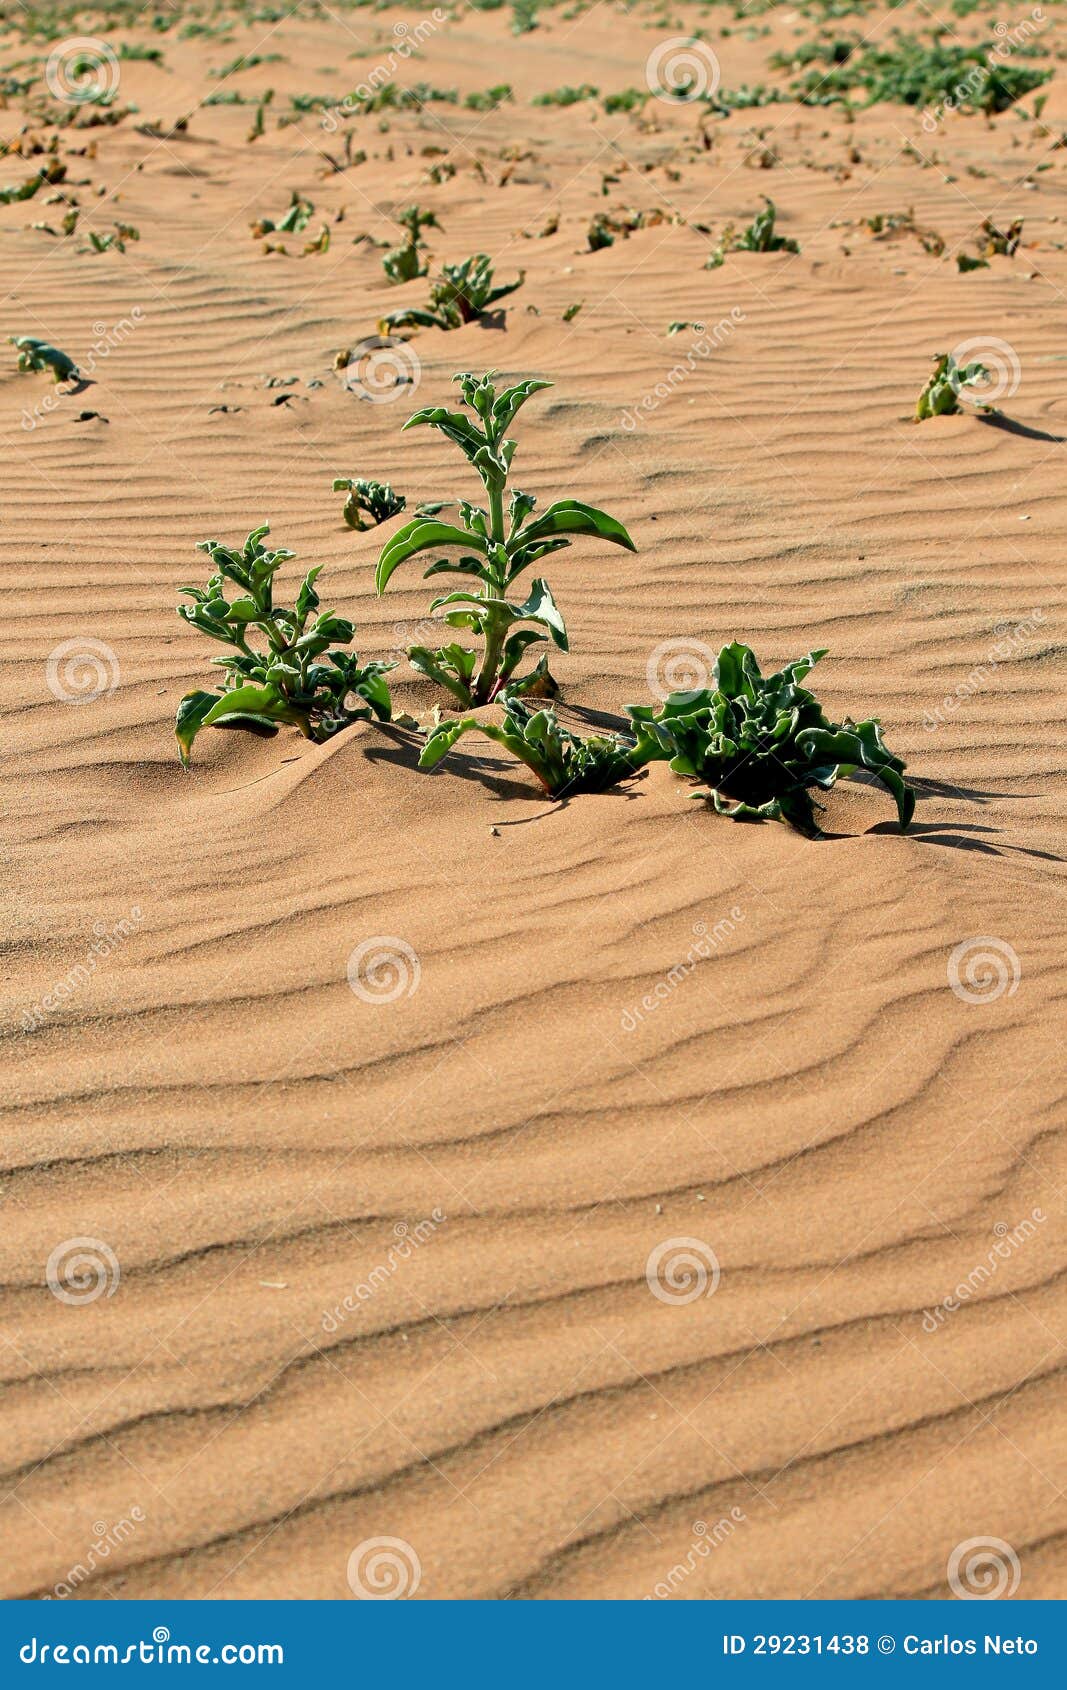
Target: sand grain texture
810	1101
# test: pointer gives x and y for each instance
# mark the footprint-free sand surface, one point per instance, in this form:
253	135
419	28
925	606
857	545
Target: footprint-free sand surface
696	1189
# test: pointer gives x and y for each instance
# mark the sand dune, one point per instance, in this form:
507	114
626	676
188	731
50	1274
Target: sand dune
493	1141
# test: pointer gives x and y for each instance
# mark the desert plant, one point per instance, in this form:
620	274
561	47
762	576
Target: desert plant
47	176
403	263
114	241
941	395
563	762
463	293
758	237
37	355
991	240
291	222
375	498
760	742
281	679
496	549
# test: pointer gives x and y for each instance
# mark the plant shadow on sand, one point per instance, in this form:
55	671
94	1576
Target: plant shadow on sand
1008	425
485	770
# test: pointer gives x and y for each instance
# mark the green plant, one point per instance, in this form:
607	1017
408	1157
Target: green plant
563	762
376	498
992	241
630	99
403	263
37	355
758	237
917	73
760	742
566	96
114	240
280	679
48	174
496	550
940	397
292	221
488	99
463	293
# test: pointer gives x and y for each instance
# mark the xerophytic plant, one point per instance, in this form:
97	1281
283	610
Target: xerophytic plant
496	548
284	665
761	742
375	499
758	237
403	263
462	293
563	762
941	395
37	355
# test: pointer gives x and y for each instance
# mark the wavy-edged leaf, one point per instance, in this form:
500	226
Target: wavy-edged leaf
572	516
541	607
421	535
190	719
442	739
258	704
511	401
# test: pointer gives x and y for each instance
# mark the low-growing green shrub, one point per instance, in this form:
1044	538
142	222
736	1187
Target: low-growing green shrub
292	221
913	72
566	96
48	174
281	678
497	549
761	742
463	293
37	355
404	262
489	99
375	499
941	395
563	762
758	237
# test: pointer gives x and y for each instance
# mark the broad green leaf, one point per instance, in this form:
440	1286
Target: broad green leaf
571	516
264	703
420	535
442	739
542	607
190	719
